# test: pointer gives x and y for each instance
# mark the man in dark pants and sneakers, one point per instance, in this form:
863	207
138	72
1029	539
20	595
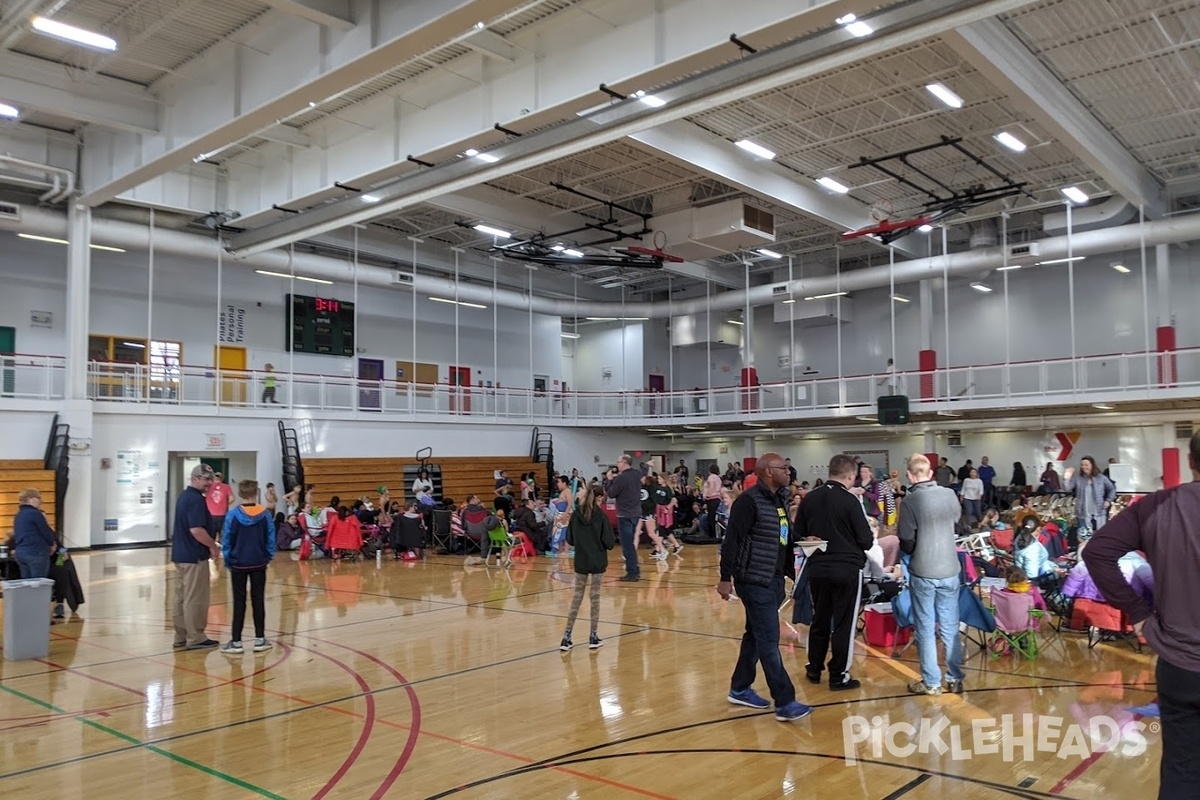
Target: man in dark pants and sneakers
1166	527
626	490
833	512
754	557
927	519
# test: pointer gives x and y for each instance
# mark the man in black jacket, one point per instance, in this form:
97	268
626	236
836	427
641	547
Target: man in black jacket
835	513
754	557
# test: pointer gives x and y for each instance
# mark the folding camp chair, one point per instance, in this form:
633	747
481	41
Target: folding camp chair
1103	623
1016	623
501	544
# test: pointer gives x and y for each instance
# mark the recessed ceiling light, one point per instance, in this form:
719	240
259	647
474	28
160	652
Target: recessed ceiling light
470	153
925	229
762	251
1075	194
832	185
490	231
945	95
60	30
1121	268
1011	142
981	287
755	149
9	111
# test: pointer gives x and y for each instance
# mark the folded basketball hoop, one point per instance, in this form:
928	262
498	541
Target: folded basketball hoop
889	230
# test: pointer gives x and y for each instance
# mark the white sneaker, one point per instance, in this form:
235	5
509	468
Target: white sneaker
232	648
262	645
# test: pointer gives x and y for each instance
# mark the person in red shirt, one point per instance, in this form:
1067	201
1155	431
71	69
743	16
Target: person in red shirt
219	499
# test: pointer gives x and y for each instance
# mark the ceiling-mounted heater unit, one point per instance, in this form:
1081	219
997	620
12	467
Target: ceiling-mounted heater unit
1183	430
402	278
10	211
954	438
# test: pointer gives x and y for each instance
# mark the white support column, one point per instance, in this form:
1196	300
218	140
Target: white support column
76	518
930	444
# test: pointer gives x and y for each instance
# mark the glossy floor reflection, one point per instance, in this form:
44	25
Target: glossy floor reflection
434	679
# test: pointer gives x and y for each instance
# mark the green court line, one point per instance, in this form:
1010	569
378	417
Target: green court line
152	748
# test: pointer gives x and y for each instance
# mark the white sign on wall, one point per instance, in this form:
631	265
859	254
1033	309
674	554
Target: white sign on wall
233	325
129	467
214	441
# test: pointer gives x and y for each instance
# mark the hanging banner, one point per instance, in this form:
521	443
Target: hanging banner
233	325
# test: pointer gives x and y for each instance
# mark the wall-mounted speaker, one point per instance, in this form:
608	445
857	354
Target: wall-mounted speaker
892	410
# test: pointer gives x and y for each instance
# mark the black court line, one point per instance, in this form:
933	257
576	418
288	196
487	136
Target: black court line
908	787
997	787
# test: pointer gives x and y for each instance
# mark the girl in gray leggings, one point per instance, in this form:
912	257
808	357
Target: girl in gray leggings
591	534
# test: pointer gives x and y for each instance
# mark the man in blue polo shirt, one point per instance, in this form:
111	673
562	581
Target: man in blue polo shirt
191	548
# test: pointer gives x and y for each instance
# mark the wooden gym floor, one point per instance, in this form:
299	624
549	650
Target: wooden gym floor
439	680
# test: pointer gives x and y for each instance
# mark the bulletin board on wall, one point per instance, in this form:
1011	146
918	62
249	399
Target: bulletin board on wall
879	460
419	373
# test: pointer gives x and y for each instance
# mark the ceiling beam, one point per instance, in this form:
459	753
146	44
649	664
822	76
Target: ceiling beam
286	134
996	52
897	26
330	13
34	83
492	44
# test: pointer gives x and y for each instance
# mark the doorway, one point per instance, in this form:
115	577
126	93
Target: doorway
370	376
8	347
231	363
460	395
658	385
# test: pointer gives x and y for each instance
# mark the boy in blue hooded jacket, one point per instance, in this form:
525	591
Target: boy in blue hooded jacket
248	545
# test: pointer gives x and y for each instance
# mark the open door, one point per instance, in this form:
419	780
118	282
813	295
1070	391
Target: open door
231	362
658	385
370	387
460	394
8	346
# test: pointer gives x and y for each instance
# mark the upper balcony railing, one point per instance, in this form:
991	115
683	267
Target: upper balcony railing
1052	381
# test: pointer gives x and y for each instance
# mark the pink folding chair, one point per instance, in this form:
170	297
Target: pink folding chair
1016	623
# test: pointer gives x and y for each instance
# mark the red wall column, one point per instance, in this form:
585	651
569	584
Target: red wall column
927	363
1167	374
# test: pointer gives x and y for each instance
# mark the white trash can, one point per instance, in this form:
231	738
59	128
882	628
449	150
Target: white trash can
27	618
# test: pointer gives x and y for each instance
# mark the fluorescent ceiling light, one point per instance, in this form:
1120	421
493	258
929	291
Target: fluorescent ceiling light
9	111
756	424
60	30
762	251
789	301
616	319
1102	406
289	277
558	248
1061	260
488	157
845	20
371	198
471	153
570	335
925	229
658	430
456	302
1011	142
649	99
899	298
490	231
867	419
1121	268
981	287
612	284
827	296
945	95
135	345
52	240
755	149
1009	268
572	253
856	26
949	414
832	185
695	427
735	322
1075	194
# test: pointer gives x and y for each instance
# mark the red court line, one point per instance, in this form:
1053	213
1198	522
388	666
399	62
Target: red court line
1083	767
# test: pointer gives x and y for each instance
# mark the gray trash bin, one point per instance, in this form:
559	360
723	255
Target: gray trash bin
27	618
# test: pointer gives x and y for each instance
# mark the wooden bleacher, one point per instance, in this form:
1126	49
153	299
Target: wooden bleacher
350	478
18	474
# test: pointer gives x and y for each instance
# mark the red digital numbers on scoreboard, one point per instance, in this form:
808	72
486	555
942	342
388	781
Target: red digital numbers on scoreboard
326	306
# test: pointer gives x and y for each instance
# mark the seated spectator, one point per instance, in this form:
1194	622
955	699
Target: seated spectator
344	533
1031	556
408	532
877	567
525	522
1133	566
1017	580
288	534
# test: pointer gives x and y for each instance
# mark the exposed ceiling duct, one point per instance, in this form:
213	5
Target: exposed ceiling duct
1174	230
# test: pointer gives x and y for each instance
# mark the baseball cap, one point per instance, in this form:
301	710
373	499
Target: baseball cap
202	471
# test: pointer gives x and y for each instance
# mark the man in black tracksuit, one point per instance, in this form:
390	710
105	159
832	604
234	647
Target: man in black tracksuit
835	513
755	556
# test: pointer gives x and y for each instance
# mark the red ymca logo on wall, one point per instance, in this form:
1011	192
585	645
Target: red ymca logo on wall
1064	444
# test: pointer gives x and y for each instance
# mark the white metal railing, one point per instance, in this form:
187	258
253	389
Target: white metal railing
994	384
30	377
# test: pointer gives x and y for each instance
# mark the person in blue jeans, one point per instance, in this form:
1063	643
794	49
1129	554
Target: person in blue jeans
754	557
626	490
34	540
927	520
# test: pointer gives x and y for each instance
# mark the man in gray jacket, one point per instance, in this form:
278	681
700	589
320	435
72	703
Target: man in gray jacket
927	519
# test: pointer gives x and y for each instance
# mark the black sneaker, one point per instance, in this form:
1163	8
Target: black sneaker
566	644
848	683
594	642
813	677
954	687
629	578
207	643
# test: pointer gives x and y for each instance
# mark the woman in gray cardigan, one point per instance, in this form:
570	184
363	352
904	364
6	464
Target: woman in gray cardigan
1094	494
591	534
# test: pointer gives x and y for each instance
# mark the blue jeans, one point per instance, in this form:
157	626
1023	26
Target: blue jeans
974	509
625	528
33	566
935	604
760	642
